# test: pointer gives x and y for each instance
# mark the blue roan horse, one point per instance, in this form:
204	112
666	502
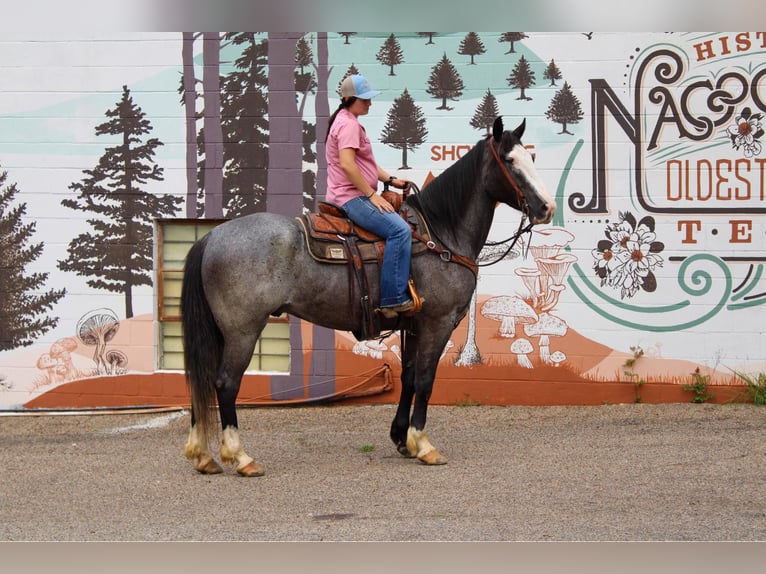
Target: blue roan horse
250	268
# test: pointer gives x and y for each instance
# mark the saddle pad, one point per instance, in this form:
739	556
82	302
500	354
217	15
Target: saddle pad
326	234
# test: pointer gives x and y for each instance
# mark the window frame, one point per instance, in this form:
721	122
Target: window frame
164	317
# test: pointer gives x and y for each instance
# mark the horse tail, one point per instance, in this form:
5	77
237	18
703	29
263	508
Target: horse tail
202	339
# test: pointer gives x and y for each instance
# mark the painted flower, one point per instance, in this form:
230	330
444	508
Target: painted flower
605	261
627	258
746	132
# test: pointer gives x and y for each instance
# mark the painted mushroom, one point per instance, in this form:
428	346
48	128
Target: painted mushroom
509	310
521	348
116	362
96	329
547	326
548	241
48	364
370	348
61	351
557	357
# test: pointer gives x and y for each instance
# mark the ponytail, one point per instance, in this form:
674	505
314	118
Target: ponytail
344	104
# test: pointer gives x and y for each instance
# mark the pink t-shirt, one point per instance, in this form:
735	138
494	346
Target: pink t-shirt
347	132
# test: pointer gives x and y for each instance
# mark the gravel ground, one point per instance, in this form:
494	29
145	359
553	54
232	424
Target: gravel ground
671	472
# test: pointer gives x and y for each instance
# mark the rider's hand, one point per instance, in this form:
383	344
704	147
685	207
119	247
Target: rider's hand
382	204
400	183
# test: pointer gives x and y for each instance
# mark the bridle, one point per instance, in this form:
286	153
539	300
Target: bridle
524	227
523	207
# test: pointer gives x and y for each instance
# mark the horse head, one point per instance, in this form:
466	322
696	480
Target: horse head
517	182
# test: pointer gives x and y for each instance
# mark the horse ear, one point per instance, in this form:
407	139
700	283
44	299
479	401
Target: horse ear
497	128
519	131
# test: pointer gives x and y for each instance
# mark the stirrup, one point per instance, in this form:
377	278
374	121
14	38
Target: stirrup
417	300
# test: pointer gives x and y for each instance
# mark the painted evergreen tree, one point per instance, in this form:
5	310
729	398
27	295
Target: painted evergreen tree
522	77
565	109
117	253
305	82
24	307
445	82
485	113
512	38
244	109
552	73
390	54
472	46
303	54
405	127
429	35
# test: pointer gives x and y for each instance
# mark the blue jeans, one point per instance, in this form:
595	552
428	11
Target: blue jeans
396	257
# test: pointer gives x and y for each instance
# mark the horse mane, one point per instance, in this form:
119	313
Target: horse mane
442	201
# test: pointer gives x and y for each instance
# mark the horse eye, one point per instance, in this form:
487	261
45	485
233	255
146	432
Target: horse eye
534	155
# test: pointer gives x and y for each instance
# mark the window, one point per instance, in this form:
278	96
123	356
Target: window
174	239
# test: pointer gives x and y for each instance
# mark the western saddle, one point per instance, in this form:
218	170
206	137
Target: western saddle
333	238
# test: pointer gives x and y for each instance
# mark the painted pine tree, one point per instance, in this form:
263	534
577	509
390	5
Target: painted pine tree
117	252
445	82
405	127
429	35
522	77
472	46
565	109
243	119
485	113
552	73
24	306
304	55
390	54
512	38
305	82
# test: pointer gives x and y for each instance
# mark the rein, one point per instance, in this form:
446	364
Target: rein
447	255
444	254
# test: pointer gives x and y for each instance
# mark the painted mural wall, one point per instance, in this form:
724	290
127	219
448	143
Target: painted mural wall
651	144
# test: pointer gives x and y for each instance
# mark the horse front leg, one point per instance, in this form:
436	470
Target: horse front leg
417	439
423	372
401	422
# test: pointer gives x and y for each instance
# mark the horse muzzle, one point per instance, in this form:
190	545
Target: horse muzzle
545	215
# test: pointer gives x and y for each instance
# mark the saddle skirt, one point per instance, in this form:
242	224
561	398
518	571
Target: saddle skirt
327	234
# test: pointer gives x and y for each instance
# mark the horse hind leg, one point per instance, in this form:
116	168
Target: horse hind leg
235	361
196	449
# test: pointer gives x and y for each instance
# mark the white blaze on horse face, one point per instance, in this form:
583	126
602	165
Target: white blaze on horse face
521	160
